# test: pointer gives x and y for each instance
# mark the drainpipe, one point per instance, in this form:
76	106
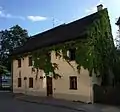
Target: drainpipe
12	76
91	91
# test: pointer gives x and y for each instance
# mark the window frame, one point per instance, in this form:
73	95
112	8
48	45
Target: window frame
73	82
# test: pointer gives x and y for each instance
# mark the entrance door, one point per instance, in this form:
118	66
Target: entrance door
49	86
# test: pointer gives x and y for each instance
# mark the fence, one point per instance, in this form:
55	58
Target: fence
106	95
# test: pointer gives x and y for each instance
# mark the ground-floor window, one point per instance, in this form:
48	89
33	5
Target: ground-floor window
73	82
30	82
19	82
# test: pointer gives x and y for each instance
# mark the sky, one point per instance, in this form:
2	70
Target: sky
40	15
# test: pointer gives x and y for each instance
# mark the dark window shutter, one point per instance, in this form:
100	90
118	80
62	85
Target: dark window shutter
72	54
30	82
30	61
19	82
19	62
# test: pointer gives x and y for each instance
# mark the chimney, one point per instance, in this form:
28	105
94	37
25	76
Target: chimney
99	7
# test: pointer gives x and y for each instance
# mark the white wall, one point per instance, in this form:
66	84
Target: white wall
26	71
60	86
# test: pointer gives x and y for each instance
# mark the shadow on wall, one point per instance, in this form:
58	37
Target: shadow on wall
106	95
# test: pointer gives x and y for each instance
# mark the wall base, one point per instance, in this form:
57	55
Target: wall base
33	93
72	97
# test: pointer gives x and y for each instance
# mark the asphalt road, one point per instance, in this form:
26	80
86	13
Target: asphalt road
10	104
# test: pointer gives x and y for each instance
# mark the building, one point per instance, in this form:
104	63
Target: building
118	23
6	81
71	85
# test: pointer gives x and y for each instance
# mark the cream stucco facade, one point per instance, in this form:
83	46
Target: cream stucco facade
61	86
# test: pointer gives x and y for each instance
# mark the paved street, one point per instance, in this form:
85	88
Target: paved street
10	104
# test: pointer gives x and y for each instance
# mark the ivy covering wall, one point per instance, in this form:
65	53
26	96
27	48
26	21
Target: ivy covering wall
95	52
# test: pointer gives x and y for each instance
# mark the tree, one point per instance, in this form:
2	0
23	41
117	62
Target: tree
11	39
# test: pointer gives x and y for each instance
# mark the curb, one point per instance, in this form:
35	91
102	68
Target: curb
54	105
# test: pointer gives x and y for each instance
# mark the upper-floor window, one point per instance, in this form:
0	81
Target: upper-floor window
72	54
30	61
73	82
19	62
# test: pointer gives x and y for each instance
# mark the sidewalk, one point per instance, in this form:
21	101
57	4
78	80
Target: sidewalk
51	101
76	106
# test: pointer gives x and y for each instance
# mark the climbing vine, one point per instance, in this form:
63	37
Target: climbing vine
95	52
101	49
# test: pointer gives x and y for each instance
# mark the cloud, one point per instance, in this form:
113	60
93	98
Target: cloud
36	18
3	14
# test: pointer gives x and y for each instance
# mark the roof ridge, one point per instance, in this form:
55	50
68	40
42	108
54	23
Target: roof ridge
87	16
59	34
47	30
65	24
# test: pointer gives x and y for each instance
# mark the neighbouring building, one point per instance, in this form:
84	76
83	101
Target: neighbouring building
118	23
71	86
6	81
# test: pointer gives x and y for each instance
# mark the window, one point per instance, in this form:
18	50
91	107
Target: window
72	54
19	62
30	82
19	82
30	61
25	78
73	82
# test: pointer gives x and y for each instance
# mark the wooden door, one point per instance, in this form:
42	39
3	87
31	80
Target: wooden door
49	86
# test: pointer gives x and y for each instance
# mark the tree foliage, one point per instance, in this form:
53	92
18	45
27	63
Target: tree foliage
11	39
3	70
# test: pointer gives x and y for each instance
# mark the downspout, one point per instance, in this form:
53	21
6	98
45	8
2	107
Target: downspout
11	75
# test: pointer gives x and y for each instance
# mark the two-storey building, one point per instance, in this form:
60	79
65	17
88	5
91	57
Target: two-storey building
71	85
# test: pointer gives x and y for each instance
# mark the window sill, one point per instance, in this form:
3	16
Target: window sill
72	60
31	87
72	89
30	66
